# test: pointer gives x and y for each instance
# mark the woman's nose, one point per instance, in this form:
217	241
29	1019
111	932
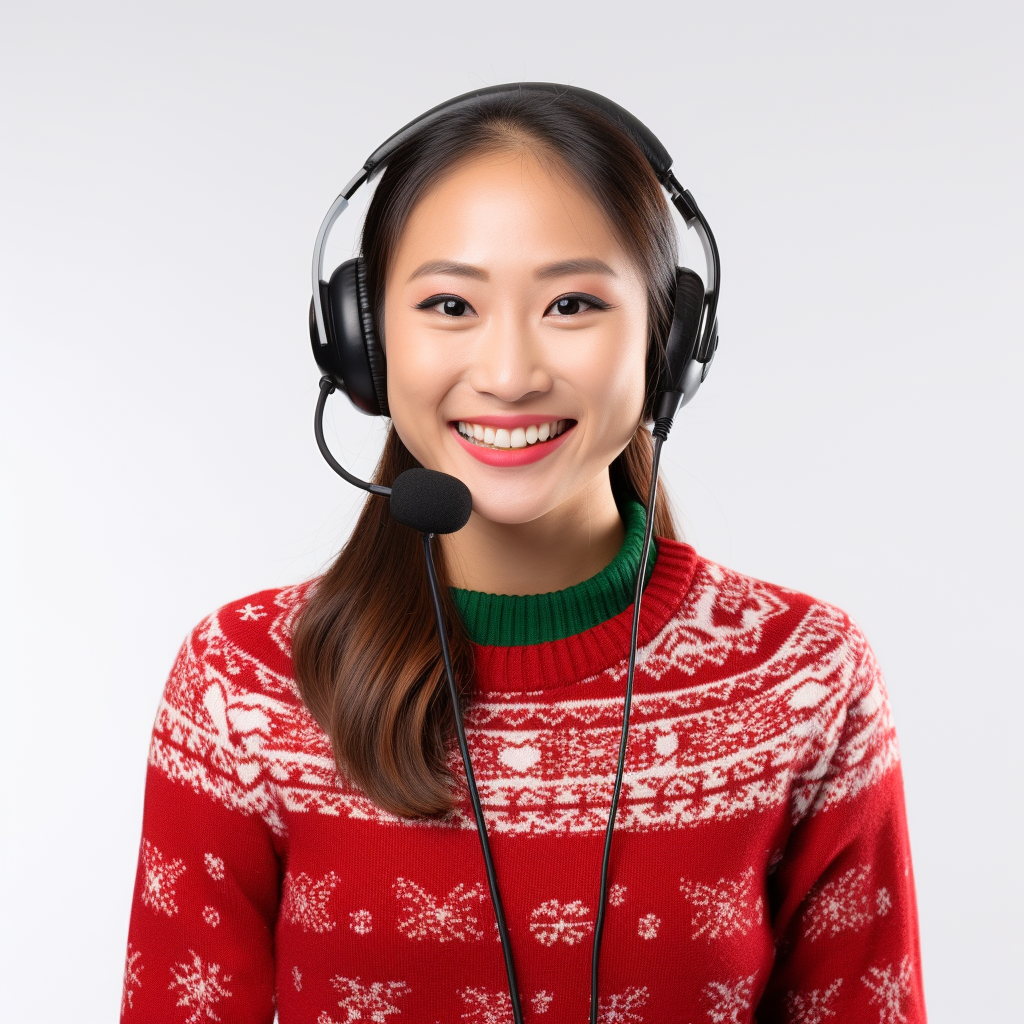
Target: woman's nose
508	363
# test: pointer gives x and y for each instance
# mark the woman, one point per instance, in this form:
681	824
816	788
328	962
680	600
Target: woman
308	844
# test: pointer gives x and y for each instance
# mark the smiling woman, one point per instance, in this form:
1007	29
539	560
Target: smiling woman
309	843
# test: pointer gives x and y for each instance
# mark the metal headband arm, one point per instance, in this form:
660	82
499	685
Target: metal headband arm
336	210
691	214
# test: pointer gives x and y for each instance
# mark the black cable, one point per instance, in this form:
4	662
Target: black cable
478	813
660	432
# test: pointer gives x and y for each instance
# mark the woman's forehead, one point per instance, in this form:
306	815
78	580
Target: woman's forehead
509	205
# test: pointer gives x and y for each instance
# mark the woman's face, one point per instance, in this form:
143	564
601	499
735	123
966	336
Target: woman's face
516	332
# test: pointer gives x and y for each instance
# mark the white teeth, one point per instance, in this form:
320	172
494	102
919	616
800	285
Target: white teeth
518	437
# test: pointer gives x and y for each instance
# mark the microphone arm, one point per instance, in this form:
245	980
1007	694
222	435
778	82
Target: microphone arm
326	387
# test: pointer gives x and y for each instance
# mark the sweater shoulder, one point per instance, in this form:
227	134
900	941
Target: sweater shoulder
231	710
742	621
799	667
238	656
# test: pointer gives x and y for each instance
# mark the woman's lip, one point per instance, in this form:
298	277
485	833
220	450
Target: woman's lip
510	456
511	422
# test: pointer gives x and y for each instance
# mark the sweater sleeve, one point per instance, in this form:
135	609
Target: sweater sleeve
200	940
844	913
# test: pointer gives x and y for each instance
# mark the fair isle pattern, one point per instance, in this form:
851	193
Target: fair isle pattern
371	1002
730	906
200	987
623	1007
553	922
737	742
161	879
454	917
814	1006
214	867
132	978
729	1001
844	904
304	901
890	988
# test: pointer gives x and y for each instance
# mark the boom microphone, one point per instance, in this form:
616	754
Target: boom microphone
431	502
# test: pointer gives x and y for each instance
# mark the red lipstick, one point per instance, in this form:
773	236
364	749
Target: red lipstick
511	456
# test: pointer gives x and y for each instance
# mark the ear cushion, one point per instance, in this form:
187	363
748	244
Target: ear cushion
683	335
374	349
346	357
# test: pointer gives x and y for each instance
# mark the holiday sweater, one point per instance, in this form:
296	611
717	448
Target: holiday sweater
760	866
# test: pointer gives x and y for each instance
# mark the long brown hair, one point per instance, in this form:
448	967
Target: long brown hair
365	651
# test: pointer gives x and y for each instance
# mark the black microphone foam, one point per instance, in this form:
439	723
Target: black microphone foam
431	502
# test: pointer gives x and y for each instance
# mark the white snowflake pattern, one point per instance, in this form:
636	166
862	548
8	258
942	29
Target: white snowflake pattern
214	867
648	925
727	907
622	1007
814	1006
297	978
201	987
251	612
211	915
484	1007
304	901
889	987
846	903
453	917
883	902
553	922
487	1007
132	979
361	922
616	895
371	1002
728	999
541	1002
161	876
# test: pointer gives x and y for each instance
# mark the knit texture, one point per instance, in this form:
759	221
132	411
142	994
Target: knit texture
515	621
760	865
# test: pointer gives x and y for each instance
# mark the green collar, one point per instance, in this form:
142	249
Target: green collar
506	620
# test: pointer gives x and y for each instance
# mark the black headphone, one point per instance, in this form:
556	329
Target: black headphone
345	342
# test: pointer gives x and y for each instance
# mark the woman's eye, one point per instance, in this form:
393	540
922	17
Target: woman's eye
570	305
449	305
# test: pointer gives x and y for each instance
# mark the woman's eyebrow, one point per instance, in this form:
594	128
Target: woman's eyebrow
584	265
449	267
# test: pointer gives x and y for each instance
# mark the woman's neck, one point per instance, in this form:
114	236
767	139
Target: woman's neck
564	547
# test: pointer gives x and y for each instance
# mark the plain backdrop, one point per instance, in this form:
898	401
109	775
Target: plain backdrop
163	172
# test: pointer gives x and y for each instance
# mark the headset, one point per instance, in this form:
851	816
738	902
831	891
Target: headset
348	351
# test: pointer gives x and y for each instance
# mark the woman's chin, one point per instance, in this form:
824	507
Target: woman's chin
510	506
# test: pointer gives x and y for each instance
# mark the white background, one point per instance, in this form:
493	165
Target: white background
164	170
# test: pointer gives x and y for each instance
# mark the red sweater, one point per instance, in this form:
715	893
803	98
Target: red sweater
760	865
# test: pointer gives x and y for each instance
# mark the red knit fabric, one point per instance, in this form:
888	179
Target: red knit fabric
760	863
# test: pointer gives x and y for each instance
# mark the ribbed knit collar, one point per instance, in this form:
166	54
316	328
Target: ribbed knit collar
500	672
505	620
